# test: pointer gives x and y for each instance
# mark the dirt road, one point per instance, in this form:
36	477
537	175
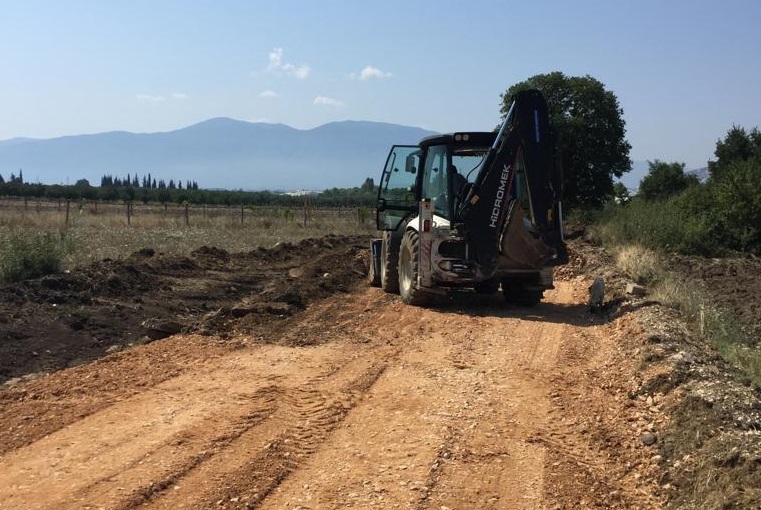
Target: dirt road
356	402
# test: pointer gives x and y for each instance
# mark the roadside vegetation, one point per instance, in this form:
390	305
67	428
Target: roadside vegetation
674	212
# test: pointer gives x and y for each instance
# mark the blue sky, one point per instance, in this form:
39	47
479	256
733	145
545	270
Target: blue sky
684	71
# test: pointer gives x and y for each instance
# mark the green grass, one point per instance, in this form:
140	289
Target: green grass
25	255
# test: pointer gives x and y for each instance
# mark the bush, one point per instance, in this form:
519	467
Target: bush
30	256
738	204
639	263
679	225
665	180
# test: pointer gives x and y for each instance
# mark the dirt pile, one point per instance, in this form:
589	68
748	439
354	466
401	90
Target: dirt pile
734	283
703	414
67	319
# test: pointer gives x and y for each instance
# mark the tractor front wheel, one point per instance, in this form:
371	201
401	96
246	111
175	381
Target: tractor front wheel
389	270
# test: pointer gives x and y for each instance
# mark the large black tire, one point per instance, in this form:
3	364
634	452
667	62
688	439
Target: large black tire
408	271
520	292
389	270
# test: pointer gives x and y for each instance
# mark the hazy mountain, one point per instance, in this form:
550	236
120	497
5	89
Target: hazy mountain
217	153
14	141
701	173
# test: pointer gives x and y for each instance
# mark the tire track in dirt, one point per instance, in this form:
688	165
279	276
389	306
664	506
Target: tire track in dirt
494	464
44	405
448	423
383	405
253	398
595	456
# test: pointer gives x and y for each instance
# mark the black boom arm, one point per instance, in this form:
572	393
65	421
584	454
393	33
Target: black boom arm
524	138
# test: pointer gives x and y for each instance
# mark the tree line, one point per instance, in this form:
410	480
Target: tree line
145	182
677	212
147	189
672	209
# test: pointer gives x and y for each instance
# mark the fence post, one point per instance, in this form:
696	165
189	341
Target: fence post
241	214
187	214
68	202
129	212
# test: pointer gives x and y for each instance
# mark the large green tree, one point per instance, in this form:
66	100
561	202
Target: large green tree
738	145
665	180
590	131
735	181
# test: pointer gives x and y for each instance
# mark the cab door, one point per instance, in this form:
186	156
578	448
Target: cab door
398	189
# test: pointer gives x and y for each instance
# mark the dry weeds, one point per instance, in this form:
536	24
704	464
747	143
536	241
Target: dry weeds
97	231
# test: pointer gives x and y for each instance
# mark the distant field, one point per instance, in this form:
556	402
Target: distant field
93	231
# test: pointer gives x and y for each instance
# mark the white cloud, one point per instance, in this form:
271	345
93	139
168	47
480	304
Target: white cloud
150	99
276	65
269	94
179	96
328	101
370	72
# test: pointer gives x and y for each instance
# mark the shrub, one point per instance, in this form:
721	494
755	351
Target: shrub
30	256
676	225
738	204
639	263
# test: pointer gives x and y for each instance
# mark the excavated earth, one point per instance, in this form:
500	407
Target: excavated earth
278	379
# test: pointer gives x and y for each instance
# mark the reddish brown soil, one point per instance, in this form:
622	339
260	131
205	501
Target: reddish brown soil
292	384
67	319
733	283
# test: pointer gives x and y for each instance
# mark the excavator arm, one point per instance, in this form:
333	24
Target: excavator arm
519	177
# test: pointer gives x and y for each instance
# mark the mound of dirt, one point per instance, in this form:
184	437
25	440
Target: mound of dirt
66	319
709	450
734	284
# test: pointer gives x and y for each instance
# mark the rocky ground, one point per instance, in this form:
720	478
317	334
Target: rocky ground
277	378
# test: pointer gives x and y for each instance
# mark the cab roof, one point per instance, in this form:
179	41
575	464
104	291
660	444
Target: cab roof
461	138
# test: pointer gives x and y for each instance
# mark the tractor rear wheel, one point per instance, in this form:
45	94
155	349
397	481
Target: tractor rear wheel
411	293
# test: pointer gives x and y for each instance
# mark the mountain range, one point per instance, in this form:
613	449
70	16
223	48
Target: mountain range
218	153
225	153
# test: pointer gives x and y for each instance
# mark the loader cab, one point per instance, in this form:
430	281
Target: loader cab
440	169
